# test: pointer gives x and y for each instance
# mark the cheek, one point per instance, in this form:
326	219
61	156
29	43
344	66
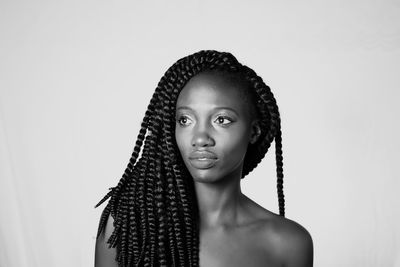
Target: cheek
180	140
235	144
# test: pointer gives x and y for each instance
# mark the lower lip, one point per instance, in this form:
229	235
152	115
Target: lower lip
205	163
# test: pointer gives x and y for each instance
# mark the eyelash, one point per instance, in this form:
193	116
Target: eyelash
180	118
225	118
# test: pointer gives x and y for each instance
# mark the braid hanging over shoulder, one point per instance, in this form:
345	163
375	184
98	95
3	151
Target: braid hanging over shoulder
154	205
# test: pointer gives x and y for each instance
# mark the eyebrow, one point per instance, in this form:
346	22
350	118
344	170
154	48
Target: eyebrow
216	108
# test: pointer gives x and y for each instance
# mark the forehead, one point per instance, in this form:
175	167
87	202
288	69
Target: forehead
213	90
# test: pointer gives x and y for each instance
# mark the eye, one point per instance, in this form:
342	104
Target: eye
223	120
183	120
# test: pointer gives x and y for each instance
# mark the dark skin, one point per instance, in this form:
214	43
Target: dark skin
214	127
234	230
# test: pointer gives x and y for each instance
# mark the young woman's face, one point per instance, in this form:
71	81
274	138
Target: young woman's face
213	127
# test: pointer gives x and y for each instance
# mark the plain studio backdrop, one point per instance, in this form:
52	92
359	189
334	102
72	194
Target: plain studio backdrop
76	78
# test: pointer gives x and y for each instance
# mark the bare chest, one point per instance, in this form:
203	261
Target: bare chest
234	248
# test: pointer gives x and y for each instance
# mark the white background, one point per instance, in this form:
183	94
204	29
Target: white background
76	78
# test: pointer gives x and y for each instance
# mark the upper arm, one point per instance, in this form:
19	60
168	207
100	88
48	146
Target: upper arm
105	256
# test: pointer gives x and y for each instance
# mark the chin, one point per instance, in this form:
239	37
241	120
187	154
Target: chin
214	174
204	176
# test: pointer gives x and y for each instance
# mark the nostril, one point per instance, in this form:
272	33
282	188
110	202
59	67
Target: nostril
202	140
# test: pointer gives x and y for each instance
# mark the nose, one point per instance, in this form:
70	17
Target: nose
202	139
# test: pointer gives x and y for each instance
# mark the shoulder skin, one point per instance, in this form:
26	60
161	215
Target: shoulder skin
292	243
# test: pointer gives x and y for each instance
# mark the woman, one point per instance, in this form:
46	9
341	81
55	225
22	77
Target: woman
209	123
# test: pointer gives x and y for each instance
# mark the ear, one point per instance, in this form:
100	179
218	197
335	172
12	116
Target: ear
255	131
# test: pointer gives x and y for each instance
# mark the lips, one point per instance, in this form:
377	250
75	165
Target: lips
202	155
202	159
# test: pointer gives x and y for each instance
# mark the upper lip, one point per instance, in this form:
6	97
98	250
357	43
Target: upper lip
202	155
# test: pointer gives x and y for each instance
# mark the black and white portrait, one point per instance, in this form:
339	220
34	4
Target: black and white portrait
206	133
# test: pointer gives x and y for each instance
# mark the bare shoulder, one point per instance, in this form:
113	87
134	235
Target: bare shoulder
282	239
104	255
290	242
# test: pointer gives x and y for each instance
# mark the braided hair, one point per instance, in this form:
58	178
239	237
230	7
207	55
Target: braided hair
154	205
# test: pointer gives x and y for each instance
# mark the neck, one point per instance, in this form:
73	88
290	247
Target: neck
219	203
